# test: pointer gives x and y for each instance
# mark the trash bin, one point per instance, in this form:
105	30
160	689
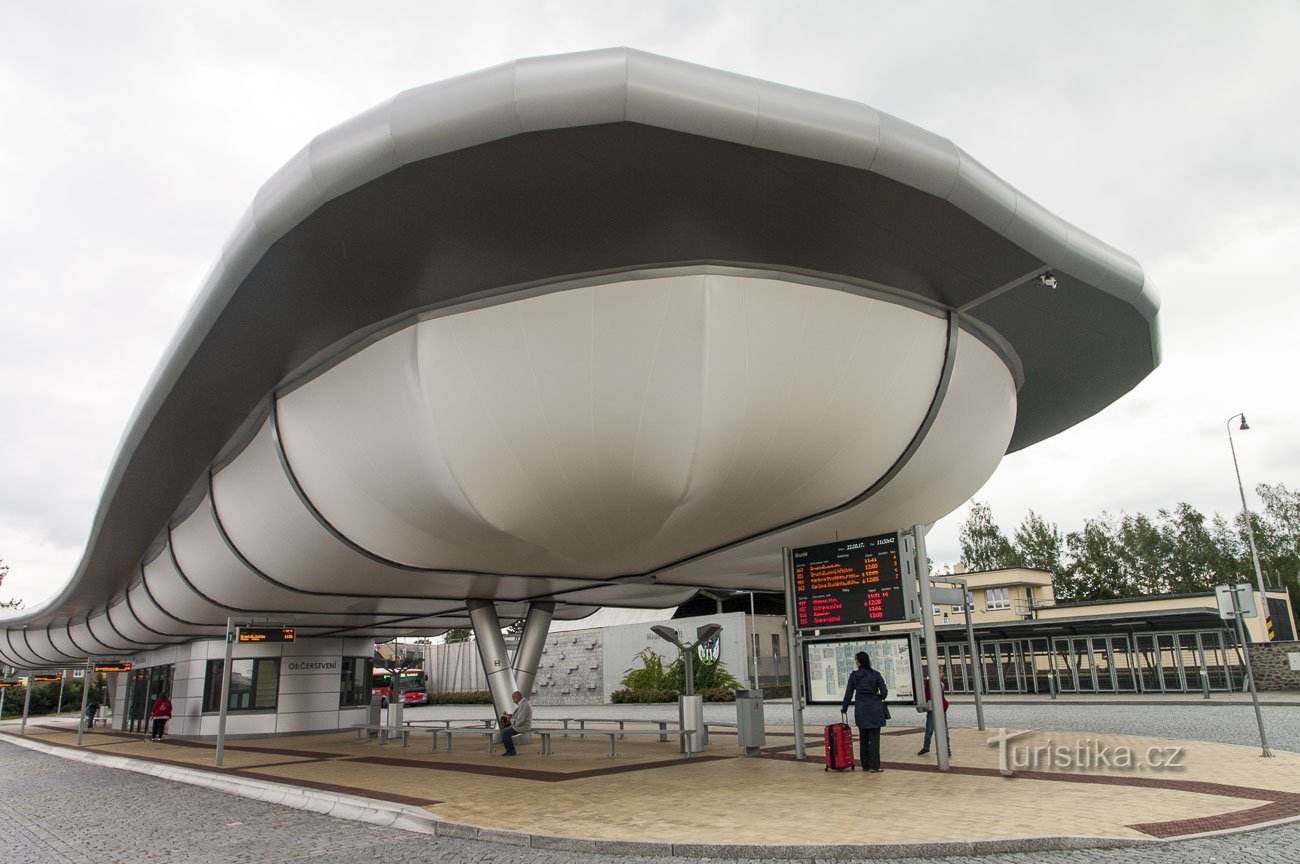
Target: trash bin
751	732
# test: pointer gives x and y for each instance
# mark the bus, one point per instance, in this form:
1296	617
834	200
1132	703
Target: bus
410	683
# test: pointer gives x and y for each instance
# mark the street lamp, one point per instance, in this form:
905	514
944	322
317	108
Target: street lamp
1250	531
702	634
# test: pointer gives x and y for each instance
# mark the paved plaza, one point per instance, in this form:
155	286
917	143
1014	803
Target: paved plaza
57	809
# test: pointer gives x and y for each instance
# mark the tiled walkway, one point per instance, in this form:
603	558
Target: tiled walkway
649	792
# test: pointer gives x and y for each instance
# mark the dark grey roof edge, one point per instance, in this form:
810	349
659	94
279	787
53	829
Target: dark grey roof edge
609	86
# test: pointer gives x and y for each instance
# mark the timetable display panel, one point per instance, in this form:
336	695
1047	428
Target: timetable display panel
827	666
851	583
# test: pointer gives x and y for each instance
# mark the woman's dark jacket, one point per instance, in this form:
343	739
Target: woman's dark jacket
866	691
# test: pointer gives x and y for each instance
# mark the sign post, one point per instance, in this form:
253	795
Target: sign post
85	698
931	649
796	654
845	585
225	690
27	704
1235	594
975	666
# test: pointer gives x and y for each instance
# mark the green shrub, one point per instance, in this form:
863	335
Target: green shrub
718	694
640	697
466	697
654	675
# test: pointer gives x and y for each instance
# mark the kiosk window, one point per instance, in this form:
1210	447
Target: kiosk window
354	681
254	685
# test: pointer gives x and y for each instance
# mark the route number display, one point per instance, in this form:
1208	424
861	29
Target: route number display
851	583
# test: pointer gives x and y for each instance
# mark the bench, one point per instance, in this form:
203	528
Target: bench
622	727
451	731
383	732
446	724
662	733
614	735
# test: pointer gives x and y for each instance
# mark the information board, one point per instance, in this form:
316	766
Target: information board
827	665
850	583
46	679
112	667
266	634
11	682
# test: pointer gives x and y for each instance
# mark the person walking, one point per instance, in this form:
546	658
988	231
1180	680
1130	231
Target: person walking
867	692
929	717
161	712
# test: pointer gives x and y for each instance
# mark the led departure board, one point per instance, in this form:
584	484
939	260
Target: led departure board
851	583
266	634
11	682
46	679
113	667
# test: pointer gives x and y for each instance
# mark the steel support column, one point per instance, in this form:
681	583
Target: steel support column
528	656
492	651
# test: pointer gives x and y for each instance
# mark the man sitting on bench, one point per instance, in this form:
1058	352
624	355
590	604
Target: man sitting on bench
521	722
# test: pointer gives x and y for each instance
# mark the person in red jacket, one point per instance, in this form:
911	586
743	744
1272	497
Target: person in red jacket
161	712
929	717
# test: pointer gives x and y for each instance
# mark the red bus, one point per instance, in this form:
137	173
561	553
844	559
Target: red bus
410	683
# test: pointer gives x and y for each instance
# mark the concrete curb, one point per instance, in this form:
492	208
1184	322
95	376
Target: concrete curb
409	818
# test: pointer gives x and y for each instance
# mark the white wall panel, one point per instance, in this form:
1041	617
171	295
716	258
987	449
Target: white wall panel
80	634
608	428
266	521
308	703
58	635
172	594
364	447
100	629
143	605
958	455
309	721
129	626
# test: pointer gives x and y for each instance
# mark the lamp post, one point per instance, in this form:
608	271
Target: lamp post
690	708
1250	531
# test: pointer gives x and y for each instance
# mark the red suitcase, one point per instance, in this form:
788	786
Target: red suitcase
839	747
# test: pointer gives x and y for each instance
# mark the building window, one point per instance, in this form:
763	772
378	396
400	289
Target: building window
354	681
254	685
776	644
997	598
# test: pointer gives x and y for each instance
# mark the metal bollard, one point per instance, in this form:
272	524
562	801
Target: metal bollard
1205	684
1051	685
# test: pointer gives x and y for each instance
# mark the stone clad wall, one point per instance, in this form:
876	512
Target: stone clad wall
1275	665
571	671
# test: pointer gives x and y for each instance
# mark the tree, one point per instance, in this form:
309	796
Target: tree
1277	536
10	603
1095	572
983	545
1038	544
457	634
1141	552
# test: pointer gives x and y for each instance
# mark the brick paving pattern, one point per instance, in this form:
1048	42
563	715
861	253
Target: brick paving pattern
56	810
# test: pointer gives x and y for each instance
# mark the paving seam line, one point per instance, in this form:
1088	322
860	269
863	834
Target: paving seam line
409	818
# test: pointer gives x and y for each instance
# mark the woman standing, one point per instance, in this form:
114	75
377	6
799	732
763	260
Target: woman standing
867	692
161	712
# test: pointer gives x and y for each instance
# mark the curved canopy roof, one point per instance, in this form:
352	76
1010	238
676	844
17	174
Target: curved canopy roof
589	169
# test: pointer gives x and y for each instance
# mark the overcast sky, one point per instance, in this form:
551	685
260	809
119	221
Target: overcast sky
133	135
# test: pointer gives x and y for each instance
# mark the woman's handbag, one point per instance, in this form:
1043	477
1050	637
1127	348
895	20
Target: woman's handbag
885	705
